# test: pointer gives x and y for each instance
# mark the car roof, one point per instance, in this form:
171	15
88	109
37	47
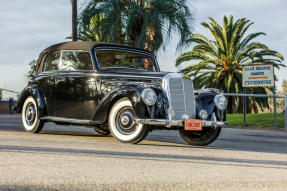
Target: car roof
86	45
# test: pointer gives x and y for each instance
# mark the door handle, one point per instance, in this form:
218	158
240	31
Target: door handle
59	78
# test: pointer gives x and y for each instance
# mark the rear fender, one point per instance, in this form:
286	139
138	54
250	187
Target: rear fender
37	94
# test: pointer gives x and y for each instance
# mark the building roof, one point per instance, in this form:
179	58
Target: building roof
85	45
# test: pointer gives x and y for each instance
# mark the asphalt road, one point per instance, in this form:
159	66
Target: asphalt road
76	158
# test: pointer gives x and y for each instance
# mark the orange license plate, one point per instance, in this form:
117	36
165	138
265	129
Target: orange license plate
192	125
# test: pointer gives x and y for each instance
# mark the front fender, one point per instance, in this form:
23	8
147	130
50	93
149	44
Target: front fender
133	93
37	94
205	101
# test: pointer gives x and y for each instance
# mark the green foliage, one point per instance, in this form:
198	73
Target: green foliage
218	62
32	66
257	120
141	23
284	86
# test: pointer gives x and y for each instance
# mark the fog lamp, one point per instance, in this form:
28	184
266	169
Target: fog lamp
203	114
184	116
171	113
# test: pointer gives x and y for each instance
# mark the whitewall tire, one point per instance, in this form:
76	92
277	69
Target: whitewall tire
121	123
30	116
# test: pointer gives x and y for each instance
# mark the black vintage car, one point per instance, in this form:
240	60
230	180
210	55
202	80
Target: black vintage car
120	90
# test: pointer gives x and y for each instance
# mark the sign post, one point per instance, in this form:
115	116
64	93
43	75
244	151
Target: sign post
245	107
275	107
260	76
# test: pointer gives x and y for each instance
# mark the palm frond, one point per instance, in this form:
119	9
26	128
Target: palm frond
218	62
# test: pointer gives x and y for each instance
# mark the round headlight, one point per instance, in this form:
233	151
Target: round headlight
220	102
149	96
203	114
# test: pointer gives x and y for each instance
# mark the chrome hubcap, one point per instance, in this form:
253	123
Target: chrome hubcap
30	114
125	121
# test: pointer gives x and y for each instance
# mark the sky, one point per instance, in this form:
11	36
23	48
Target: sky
29	26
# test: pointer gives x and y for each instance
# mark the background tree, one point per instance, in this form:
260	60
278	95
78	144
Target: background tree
141	23
284	86
1	95
218	62
32	70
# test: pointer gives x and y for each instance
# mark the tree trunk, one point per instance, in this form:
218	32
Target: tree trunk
74	20
230	105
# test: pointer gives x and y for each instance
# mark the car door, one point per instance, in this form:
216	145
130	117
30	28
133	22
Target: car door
75	86
45	79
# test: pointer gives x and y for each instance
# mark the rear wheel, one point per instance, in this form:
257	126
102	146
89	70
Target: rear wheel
121	123
30	116
201	138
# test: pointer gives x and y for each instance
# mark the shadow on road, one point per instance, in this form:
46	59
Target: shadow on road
148	156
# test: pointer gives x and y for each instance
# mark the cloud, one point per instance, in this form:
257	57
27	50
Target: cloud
29	26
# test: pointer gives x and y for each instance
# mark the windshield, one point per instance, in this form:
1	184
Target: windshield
121	59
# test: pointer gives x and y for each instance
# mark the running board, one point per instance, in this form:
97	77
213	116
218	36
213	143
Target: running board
68	120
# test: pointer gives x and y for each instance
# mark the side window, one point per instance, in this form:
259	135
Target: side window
52	61
76	60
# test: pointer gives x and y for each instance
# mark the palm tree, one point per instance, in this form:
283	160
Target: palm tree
141	23
218	62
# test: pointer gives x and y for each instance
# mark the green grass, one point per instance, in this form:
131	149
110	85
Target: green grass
257	120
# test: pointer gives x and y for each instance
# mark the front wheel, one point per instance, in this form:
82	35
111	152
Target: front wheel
201	138
30	116
121	123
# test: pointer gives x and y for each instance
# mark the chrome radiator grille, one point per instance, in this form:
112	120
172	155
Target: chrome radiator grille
181	96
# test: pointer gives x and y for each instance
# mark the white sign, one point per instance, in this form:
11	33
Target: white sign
258	76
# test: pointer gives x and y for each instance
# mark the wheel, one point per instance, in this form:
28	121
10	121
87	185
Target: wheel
121	123
202	138
30	116
101	131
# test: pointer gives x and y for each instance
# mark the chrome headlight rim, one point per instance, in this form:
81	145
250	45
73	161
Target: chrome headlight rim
219	105
149	92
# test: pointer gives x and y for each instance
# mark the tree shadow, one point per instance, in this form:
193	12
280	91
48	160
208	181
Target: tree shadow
149	156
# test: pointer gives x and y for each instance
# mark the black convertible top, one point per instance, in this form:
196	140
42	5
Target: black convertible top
86	45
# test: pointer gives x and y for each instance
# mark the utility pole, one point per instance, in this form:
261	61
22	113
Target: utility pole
74	19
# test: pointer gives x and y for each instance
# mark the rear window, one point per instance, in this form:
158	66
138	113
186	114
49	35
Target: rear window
52	61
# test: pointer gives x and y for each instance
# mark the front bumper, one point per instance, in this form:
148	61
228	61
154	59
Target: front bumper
179	123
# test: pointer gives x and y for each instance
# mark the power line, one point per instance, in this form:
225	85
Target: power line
8	90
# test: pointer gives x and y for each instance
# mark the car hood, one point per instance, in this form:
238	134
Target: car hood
124	77
135	73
